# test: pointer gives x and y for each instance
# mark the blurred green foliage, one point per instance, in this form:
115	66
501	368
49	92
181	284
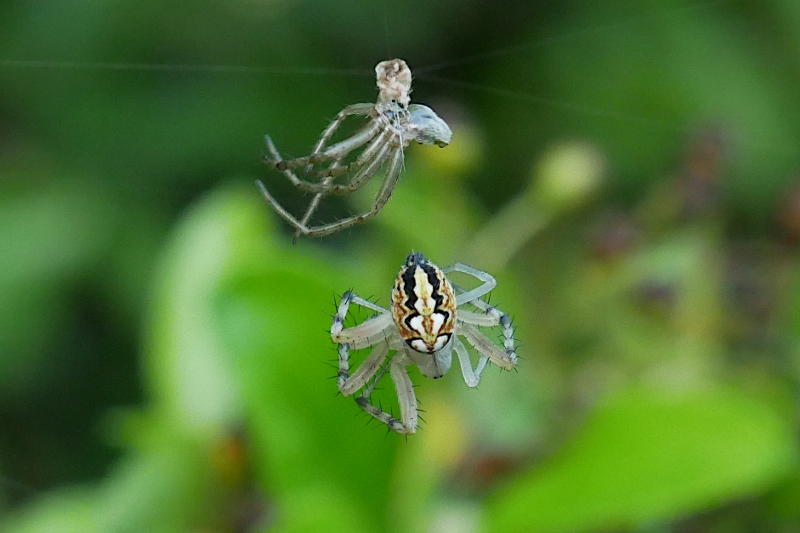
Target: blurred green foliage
628	171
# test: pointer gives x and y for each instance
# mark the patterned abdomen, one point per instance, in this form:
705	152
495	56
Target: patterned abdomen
423	305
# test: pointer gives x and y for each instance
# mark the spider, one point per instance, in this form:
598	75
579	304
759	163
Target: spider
392	124
422	328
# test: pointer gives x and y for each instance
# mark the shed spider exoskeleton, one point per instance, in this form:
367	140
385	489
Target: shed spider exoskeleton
392	124
427	316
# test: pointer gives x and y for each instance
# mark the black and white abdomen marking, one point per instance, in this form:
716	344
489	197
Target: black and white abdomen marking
423	305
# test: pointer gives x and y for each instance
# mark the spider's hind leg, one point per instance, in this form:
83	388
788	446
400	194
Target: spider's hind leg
487	282
371	368
375	331
387	187
471	376
352	110
286	215
492	317
369	162
312	206
409	417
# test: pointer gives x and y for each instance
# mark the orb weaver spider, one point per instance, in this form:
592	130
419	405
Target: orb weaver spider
422	328
392	124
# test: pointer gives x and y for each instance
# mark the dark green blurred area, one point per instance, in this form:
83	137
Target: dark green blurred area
628	171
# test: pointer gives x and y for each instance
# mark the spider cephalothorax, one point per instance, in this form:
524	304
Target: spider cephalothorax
392	123
428	315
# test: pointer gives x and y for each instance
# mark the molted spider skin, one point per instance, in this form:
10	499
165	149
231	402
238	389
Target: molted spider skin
390	124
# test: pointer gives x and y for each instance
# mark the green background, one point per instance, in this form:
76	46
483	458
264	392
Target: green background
628	171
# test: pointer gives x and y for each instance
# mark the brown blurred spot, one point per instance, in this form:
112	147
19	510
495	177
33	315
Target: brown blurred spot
789	214
701	173
614	237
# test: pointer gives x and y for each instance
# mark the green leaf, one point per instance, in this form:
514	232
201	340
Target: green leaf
647	456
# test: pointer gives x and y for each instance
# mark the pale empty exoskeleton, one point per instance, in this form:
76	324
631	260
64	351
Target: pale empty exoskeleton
391	125
428	315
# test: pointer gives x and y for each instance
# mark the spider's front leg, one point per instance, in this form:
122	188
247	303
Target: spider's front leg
409	417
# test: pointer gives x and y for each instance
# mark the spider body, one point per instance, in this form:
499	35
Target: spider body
428	315
423	306
392	123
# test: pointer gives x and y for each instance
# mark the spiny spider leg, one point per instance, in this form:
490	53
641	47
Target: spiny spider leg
507	359
497	317
407	423
368	333
350	383
491	317
373	383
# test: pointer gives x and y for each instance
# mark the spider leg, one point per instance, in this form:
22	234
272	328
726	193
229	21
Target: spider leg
495	317
389	183
287	216
355	109
343	308
374	330
312	206
507	359
348	384
487	320
487	282
369	163
373	383
472	377
368	333
368	168
334	170
377	146
300	228
335	151
490	317
409	417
